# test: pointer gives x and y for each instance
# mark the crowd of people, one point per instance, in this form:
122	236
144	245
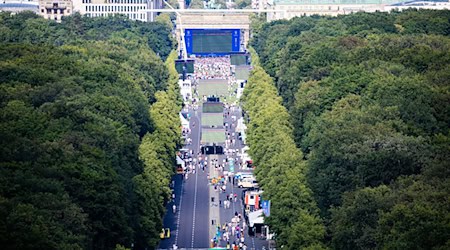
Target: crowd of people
232	233
212	67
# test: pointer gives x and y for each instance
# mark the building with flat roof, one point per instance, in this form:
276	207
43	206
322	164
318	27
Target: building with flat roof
286	9
16	7
55	9
133	9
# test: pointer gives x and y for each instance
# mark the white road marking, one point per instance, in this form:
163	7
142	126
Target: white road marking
193	213
195	200
179	214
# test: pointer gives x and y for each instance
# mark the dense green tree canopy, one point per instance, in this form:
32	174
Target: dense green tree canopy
368	101
280	166
79	167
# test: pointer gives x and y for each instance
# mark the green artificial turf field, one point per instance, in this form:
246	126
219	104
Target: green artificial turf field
213	135
242	72
209	87
212	119
212	107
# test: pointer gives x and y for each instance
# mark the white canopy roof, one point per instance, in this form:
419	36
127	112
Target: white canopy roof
241	127
256	217
180	161
184	121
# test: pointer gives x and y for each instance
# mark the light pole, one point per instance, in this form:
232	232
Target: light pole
183	43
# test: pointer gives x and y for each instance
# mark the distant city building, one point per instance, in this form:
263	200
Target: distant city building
19	6
133	9
55	9
286	9
260	4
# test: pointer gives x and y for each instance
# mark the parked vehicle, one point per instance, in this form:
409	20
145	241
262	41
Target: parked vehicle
165	233
243	175
247	183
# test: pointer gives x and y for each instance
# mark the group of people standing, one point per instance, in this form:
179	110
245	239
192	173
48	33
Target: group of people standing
212	67
232	233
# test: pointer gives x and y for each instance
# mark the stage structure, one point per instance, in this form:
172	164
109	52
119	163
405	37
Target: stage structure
207	26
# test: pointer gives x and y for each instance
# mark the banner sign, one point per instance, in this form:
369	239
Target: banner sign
266	207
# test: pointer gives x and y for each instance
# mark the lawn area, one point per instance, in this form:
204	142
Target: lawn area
215	87
212	119
212	107
242	72
213	135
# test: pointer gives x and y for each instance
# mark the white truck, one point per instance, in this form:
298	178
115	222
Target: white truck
247	183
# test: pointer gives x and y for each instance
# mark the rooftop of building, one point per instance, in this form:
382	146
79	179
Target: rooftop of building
18	5
343	2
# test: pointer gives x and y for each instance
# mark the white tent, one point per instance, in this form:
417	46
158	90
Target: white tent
180	161
256	217
185	89
240	92
244	137
244	155
241	127
184	121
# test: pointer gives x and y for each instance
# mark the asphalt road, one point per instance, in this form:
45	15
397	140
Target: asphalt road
227	214
189	225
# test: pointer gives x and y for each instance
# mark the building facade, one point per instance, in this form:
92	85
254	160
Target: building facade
260	4
133	9
286	9
55	9
18	6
